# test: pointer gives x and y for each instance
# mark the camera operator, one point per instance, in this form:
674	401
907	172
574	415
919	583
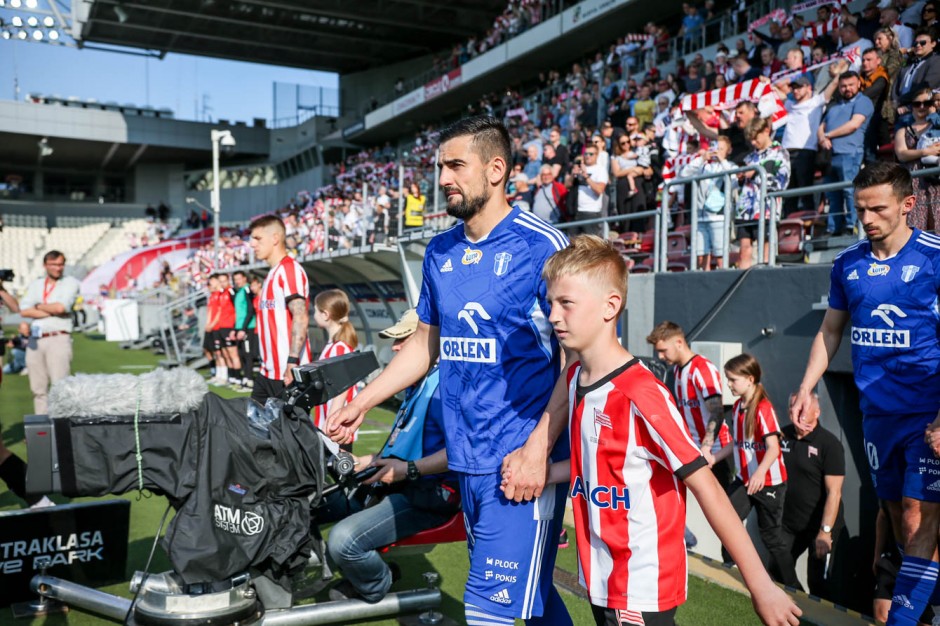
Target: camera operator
419	491
12	467
48	302
591	181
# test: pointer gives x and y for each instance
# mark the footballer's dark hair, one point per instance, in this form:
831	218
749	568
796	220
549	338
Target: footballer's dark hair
877	173
490	138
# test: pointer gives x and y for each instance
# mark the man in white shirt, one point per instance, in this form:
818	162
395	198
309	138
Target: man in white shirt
591	179
804	114
48	303
890	18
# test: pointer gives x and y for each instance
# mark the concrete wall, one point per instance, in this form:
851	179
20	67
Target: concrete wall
155	183
356	90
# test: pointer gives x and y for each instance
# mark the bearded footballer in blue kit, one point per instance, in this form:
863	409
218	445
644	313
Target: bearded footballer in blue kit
483	309
887	286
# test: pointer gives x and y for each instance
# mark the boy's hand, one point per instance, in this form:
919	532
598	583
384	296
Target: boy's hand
775	608
756	483
524	474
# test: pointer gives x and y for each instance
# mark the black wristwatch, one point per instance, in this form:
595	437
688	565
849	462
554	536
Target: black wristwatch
293	360
413	473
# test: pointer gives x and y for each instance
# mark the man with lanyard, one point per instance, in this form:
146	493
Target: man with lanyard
483	309
48	302
887	286
812	510
419	492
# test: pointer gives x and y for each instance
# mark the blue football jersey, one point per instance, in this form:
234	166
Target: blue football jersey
499	355
895	320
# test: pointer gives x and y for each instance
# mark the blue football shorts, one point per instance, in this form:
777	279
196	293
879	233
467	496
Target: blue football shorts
512	546
901	462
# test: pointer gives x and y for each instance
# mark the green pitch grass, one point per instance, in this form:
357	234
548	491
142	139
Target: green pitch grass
708	605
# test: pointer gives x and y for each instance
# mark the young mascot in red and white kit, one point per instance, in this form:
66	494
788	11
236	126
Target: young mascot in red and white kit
331	313
631	459
761	480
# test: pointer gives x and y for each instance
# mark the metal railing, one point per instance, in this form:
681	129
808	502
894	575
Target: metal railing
663	232
181	346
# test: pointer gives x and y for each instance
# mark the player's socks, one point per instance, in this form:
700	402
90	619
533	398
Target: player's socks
914	588
555	613
478	617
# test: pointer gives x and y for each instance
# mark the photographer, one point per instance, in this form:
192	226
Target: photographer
12	467
48	302
591	179
419	492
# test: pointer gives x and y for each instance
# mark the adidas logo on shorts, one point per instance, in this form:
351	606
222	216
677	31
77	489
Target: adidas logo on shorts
903	601
934	486
501	596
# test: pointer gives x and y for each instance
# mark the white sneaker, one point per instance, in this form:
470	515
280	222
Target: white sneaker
42	504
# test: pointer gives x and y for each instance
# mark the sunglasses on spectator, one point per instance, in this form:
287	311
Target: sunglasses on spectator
921	104
624	142
921	42
588	153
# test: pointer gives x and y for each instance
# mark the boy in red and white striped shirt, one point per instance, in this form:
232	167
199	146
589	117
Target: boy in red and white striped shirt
631	459
282	309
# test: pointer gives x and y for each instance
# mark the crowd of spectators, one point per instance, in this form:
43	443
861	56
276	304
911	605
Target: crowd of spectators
600	138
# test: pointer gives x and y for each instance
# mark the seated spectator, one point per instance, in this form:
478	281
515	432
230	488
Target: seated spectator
743	70
710	197
419	493
917	147
851	40
923	68
18	345
890	18
769	154
770	64
550	197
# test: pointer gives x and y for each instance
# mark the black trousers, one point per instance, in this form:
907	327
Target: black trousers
769	504
615	617
800	541
802	171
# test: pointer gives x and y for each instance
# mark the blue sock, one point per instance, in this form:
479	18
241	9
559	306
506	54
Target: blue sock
915	585
555	613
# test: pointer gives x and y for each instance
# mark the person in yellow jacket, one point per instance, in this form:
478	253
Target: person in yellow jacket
414	206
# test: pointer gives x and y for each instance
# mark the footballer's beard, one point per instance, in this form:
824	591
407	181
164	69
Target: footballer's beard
468	206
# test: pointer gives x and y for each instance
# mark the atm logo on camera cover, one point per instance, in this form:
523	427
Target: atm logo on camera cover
237	521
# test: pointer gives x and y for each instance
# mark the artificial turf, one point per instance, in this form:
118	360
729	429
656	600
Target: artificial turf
708	604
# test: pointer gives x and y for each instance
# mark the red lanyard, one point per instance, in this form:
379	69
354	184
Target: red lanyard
47	291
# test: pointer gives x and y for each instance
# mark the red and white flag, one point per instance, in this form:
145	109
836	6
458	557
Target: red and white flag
777	15
818	29
637	37
813	4
726	97
672	166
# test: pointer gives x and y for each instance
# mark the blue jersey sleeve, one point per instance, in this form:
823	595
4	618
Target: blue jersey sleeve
428	311
837	299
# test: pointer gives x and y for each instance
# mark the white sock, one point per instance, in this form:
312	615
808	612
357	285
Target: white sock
221	373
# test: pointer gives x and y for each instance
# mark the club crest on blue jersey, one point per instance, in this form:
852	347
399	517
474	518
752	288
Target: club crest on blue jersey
471	256
501	263
908	272
601	496
878	270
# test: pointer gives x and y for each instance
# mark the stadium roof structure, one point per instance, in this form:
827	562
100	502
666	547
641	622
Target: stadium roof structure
333	35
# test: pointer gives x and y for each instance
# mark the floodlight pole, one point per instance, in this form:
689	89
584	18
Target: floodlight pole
217	136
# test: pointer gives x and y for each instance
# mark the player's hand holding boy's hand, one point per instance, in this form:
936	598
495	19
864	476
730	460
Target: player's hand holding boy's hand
524	474
774	606
932	436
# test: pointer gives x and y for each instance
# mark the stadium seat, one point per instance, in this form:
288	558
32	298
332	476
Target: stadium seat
641	269
631	240
648	241
424	541
673	266
676	244
790	237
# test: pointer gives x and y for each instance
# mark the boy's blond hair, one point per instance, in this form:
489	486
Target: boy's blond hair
593	257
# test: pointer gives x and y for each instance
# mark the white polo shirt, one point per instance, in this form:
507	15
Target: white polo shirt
803	120
65	291
588	201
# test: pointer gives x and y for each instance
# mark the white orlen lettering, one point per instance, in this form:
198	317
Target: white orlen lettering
469	350
881	337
